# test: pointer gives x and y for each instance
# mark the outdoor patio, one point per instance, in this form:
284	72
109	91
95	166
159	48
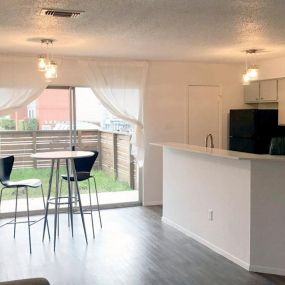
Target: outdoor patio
114	169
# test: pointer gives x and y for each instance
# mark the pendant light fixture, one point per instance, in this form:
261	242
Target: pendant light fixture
46	62
41	63
245	79
251	70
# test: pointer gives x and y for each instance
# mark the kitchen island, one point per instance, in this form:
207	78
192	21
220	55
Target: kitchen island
232	202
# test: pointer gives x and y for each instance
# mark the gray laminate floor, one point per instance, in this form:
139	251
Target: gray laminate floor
134	247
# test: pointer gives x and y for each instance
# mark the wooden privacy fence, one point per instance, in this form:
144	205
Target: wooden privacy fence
114	149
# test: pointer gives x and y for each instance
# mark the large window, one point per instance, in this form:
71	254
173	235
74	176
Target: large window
45	125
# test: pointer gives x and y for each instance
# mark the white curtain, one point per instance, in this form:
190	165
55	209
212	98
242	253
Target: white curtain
119	85
20	82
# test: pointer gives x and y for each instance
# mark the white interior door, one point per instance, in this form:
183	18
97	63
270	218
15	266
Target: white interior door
204	114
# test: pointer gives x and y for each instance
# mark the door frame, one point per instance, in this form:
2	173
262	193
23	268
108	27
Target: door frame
220	123
72	111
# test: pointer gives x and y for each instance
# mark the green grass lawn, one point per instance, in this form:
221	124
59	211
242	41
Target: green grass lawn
105	183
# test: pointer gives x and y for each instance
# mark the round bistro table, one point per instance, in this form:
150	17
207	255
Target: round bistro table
68	157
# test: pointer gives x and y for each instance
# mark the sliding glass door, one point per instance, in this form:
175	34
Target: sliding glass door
59	119
42	125
111	136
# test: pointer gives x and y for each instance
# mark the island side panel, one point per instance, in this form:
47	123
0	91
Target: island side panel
268	217
195	183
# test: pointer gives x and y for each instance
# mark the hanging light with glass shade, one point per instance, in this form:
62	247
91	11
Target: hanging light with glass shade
46	63
253	72
42	63
51	70
251	69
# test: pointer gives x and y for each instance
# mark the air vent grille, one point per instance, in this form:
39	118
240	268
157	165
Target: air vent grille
60	13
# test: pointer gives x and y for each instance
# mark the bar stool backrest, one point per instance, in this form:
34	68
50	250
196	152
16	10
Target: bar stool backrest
85	164
6	166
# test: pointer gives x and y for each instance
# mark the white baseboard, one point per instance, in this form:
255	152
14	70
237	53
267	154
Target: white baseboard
243	264
152	203
207	244
269	270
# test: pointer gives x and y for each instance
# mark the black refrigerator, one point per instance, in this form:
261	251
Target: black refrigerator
251	130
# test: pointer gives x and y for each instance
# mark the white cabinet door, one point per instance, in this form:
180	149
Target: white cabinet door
281	101
268	90
251	92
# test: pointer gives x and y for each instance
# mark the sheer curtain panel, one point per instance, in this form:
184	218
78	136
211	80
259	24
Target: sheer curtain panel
20	82
119	85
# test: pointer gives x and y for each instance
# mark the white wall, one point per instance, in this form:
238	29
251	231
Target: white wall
272	68
69	73
165	109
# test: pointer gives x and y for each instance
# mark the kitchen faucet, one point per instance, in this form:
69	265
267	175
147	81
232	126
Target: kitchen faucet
211	140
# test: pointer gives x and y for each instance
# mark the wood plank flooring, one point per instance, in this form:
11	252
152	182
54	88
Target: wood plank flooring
134	247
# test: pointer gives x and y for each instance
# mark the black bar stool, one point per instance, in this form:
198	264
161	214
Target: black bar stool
83	167
6	166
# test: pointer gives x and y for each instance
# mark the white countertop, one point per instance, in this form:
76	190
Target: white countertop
219	152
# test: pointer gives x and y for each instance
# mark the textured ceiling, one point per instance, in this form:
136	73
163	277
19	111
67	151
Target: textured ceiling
208	30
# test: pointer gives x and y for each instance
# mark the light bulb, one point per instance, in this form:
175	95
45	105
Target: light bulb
51	70
41	63
253	72
245	79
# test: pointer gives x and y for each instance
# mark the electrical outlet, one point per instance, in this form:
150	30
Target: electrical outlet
211	215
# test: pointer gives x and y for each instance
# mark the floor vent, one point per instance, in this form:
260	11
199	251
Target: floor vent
60	13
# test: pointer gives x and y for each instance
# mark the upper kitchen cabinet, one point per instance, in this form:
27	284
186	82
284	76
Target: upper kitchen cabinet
281	101
261	91
251	92
268	90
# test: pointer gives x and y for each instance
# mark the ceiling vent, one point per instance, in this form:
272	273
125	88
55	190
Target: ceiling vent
60	13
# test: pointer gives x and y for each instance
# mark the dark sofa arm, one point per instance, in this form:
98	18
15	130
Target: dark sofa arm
34	281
